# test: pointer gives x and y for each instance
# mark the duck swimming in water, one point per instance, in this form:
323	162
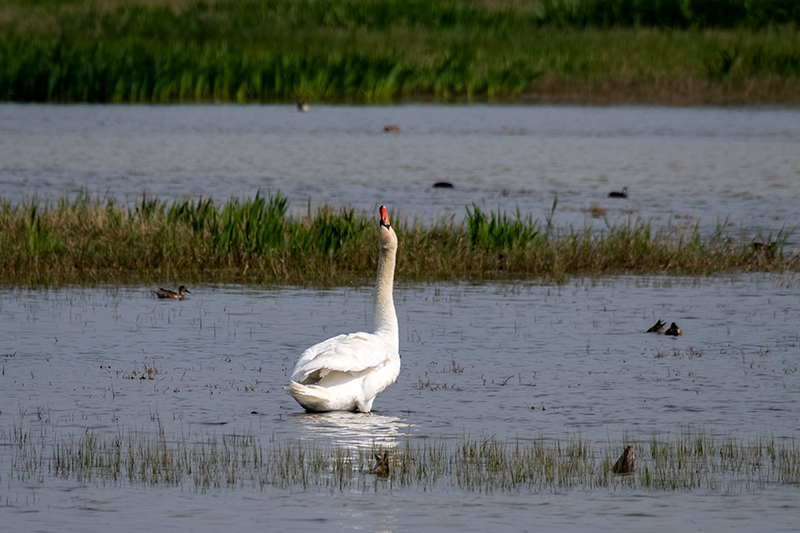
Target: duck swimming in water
166	293
626	462
381	468
673	330
658	327
618	194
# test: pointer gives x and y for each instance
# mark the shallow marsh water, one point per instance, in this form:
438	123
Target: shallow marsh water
734	167
507	361
511	361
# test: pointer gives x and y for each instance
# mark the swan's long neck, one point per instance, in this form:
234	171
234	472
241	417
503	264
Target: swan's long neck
385	319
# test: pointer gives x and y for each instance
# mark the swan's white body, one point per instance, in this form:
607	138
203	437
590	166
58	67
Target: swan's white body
346	372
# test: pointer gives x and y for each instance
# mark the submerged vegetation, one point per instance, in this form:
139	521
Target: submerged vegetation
255	240
690	460
672	51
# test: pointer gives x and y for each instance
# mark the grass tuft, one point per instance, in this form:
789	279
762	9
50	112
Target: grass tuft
254	240
690	460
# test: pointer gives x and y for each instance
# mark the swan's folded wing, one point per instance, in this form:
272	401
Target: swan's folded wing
355	352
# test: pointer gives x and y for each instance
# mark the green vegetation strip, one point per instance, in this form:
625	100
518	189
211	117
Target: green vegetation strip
254	240
672	51
691	460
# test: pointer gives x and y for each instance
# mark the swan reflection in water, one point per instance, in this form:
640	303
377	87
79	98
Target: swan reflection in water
344	428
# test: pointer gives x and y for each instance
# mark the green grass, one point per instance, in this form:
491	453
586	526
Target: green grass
89	240
672	51
688	461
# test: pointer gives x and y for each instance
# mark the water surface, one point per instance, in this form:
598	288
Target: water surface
738	167
510	361
504	361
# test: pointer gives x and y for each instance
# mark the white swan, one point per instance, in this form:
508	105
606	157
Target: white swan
345	373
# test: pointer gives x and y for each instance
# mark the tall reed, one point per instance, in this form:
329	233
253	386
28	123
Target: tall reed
384	50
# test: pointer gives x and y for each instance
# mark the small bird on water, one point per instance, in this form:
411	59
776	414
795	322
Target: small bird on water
618	194
166	293
302	106
381	469
658	327
626	462
673	330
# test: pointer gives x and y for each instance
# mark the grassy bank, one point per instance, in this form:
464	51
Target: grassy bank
691	460
673	51
254	240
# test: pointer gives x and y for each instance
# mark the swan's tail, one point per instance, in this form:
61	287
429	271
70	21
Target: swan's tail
311	397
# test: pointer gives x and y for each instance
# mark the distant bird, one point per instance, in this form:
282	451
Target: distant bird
618	194
391	128
658	327
626	462
346	372
673	330
166	293
443	185
302	106
381	469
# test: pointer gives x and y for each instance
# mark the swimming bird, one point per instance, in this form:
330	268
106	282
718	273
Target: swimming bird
443	185
618	194
302	106
166	293
391	128
658	327
346	372
626	462
673	330
381	468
